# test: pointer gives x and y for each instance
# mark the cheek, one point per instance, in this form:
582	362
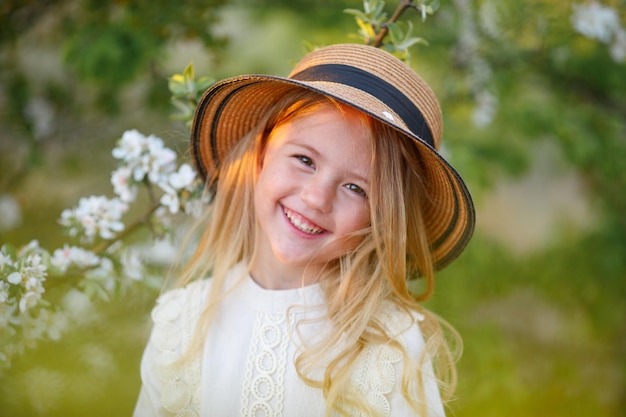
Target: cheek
358	219
261	192
355	218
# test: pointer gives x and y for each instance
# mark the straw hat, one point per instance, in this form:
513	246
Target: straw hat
370	80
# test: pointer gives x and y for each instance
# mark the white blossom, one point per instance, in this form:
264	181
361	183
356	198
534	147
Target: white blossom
183	178
104	273
31	275
489	18
4	292
485	110
32	268
142	160
145	156
133	267
15	278
164	216
29	300
162	252
33	284
40	114
54	323
73	255
601	23
33	327
11	212
141	168
170	199
31	247
194	207
161	160
122	186
95	215
77	304
595	21
480	73
7	312
5	259
130	146
618	47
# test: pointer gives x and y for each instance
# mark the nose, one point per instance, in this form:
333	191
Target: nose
318	194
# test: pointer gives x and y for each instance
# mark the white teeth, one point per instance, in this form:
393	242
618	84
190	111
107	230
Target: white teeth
302	225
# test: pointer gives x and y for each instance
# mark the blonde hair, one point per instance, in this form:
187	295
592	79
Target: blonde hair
393	249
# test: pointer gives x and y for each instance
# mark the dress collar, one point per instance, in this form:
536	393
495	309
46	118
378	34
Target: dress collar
277	301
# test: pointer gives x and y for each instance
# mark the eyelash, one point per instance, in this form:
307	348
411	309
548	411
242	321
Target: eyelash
305	160
358	190
352	187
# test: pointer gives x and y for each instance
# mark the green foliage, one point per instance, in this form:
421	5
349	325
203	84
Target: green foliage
15	15
111	44
185	92
374	25
18	92
110	54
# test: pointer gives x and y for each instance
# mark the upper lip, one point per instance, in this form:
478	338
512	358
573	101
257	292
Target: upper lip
297	216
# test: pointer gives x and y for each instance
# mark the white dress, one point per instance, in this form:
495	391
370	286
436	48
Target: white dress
247	364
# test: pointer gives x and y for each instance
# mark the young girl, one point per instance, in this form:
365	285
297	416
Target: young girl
329	195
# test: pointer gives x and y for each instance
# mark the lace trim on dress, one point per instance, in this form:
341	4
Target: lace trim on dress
263	389
374	375
175	318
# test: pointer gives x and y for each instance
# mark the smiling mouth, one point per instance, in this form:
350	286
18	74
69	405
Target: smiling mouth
301	224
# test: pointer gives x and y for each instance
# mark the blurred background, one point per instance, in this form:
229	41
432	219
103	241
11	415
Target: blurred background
534	101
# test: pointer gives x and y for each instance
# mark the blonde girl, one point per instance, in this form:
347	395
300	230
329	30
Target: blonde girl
329	196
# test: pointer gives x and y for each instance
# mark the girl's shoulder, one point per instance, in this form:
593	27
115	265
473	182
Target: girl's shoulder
178	310
378	371
183	306
400	324
195	289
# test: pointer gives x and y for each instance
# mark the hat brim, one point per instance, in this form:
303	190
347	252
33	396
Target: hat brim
219	123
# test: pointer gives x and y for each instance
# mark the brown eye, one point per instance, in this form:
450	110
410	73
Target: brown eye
355	188
305	160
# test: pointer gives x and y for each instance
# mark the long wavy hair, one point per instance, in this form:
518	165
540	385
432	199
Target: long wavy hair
392	250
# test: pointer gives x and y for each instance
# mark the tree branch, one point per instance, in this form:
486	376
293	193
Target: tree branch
404	4
145	220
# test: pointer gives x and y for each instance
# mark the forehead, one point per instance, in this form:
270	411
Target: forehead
325	122
336	132
330	114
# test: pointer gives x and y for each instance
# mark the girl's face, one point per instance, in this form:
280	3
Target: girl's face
310	195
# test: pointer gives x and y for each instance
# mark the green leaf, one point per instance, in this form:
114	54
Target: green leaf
94	289
10	250
407	43
366	29
176	86
395	32
188	73
356	13
433	7
190	87
204	83
379	11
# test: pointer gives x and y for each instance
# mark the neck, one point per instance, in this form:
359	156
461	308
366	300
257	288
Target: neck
273	275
